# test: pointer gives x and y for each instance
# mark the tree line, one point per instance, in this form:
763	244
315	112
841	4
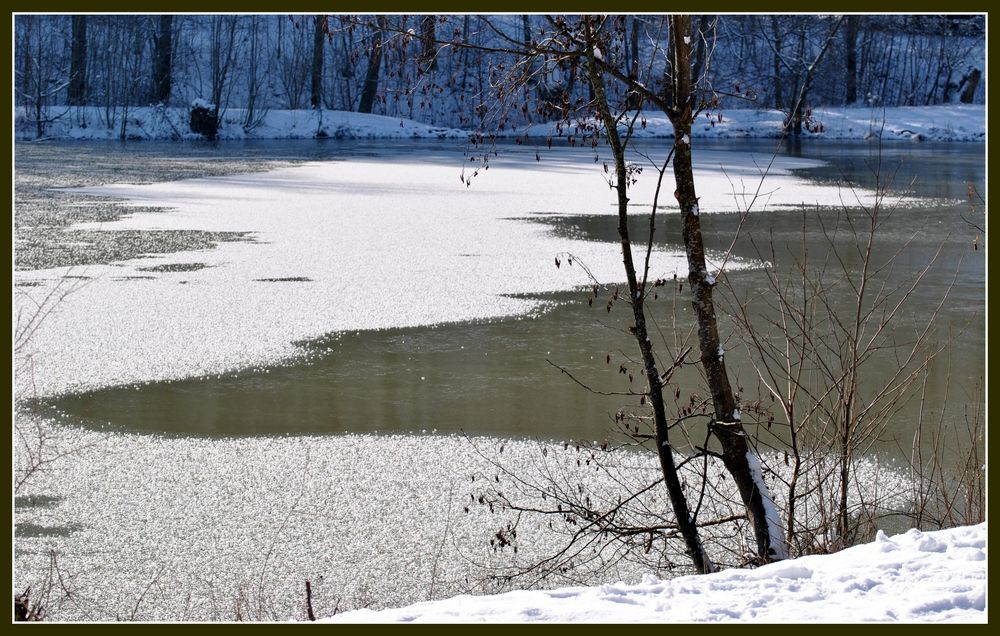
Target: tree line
442	69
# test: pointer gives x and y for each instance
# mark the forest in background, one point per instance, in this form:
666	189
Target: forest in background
449	70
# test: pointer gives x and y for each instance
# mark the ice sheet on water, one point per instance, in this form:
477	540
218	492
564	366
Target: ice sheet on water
363	517
376	243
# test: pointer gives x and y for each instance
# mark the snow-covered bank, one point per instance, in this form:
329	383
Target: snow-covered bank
949	122
149	123
911	577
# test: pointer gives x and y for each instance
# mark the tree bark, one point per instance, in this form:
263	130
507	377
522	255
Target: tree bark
162	60
971	84
634	45
701	54
428	53
374	64
223	51
851	44
77	90
319	35
726	425
776	37
795	117
685	523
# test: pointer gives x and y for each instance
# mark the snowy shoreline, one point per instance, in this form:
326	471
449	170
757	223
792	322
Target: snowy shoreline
949	122
911	577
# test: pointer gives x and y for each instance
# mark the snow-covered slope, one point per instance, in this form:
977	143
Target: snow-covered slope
911	577
147	123
952	122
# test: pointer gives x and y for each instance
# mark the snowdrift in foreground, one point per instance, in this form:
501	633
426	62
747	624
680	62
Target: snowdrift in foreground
948	122
911	577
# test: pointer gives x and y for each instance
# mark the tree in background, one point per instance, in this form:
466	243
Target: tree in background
163	59
76	93
430	67
370	90
320	31
40	75
851	59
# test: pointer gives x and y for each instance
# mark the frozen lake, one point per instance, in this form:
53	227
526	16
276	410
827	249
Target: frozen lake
354	288
376	293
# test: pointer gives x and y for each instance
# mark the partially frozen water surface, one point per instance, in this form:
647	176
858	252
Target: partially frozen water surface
373	243
226	346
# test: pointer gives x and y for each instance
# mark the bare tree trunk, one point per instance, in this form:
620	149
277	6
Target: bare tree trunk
319	35
223	51
634	45
162	60
971	84
776	80
374	63
346	66
701	52
796	115
530	62
851	43
428	54
685	523
635	97
737	456
77	92
255	108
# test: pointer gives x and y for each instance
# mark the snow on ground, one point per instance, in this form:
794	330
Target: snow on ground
90	122
359	244
947	122
910	577
950	122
